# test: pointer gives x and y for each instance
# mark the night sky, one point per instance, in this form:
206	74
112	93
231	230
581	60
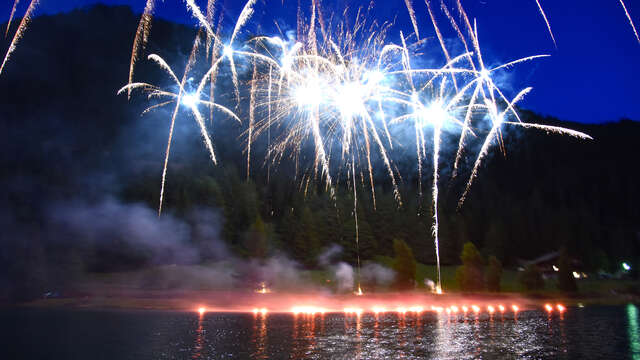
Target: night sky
592	76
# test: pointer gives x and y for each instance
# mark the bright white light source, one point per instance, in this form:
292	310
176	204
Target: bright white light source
484	74
287	61
349	99
626	266
555	268
189	100
374	77
309	94
435	114
576	275
227	51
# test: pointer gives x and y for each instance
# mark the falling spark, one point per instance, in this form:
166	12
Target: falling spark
412	15
544	16
141	38
624	7
20	32
13	11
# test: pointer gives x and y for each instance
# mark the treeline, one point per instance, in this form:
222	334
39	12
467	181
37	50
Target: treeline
67	136
546	193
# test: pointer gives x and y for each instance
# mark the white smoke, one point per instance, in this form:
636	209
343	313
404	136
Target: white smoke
374	274
343	274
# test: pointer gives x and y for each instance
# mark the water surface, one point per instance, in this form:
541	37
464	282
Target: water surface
580	333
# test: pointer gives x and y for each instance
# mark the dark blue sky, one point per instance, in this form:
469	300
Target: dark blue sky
591	77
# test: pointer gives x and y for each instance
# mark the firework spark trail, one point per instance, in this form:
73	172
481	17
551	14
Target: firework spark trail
192	103
458	31
202	19
270	88
211	9
412	15
20	32
141	38
214	63
497	121
321	155
173	120
441	40
624	7
436	156
13	12
387	162
483	76
244	17
465	126
312	30
552	129
544	16
355	217
252	110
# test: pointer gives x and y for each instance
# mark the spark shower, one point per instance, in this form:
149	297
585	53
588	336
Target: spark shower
342	86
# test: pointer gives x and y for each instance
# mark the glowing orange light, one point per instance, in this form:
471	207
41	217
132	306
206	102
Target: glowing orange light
356	311
359	292
256	311
202	310
548	307
465	308
448	311
515	308
263	289
416	309
501	307
263	311
475	308
454	309
401	310
491	309
309	310
561	307
378	309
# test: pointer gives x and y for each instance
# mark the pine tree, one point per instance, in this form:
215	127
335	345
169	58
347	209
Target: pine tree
404	265
470	275
494	273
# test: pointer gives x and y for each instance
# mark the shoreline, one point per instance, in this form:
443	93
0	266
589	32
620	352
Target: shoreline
247	301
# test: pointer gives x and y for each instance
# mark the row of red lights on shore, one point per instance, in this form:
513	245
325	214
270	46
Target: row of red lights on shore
312	310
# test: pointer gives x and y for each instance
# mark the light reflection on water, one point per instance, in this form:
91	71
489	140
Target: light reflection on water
634	332
582	333
409	336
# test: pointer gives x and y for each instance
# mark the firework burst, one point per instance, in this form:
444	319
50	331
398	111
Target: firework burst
346	90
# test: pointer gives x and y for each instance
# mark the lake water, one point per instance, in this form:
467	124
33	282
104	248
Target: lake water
597	332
